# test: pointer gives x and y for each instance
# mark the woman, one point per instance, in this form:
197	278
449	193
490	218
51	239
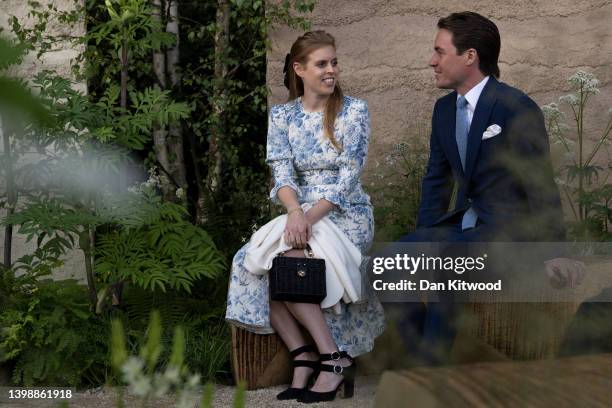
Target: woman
317	146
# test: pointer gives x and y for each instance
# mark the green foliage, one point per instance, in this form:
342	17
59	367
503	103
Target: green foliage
241	97
116	24
69	195
396	188
207	396
151	350
207	335
141	374
209	348
48	332
163	252
239	396
15	98
583	182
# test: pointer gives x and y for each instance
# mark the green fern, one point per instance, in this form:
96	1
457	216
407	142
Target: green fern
167	254
51	336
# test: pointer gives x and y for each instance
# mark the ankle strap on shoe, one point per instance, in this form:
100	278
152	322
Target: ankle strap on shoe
308	348
336	368
335	356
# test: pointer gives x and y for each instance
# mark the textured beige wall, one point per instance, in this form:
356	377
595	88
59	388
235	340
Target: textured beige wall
384	48
58	59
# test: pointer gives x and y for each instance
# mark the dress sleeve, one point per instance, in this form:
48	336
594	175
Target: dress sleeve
278	153
353	156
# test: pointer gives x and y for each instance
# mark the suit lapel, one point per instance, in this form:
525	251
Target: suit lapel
484	106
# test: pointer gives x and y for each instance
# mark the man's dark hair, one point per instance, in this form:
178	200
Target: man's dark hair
471	30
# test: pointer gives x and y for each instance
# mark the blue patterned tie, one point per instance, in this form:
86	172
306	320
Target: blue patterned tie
462	127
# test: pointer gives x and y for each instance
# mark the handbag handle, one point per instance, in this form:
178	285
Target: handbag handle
307	251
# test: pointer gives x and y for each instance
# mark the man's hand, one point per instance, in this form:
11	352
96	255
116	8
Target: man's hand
564	271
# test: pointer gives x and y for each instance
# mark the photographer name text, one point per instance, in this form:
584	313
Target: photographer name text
426	285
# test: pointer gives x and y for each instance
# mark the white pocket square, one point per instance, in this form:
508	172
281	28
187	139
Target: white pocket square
491	131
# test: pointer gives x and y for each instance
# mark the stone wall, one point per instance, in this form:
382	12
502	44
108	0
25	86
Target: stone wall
384	48
58	59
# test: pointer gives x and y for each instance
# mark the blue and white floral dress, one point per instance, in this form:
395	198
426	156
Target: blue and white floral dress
303	158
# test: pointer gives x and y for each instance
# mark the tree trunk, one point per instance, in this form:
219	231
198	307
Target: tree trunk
86	242
159	59
218	130
160	132
175	136
199	181
10	193
124	73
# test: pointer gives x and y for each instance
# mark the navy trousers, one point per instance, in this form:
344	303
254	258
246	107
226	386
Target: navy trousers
428	332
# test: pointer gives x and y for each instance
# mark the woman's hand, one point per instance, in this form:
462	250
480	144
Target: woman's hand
297	230
319	211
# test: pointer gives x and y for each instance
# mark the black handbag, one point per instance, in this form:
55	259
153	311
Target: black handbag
300	280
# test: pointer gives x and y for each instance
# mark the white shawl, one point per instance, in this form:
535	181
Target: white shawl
342	257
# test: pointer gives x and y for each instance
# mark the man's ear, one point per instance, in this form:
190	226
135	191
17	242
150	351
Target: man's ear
299	69
472	56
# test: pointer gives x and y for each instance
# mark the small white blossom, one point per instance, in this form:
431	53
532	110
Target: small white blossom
584	80
141	386
551	111
132	369
180	193
390	160
162	386
570	99
193	381
172	375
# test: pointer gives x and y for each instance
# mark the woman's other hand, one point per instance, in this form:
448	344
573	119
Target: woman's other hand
297	230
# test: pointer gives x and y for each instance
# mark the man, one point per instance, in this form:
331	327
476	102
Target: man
489	139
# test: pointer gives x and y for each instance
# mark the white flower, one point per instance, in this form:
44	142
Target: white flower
161	385
193	381
141	386
172	375
570	99
180	193
586	81
132	369
551	111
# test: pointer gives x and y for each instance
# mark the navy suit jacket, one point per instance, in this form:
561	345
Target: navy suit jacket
508	178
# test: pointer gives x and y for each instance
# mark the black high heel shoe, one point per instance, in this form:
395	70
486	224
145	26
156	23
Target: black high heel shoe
347	384
293	393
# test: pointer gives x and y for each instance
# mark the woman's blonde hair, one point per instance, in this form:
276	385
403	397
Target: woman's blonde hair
300	50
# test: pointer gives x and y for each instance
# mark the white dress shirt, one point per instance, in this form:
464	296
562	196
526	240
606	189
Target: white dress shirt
472	97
